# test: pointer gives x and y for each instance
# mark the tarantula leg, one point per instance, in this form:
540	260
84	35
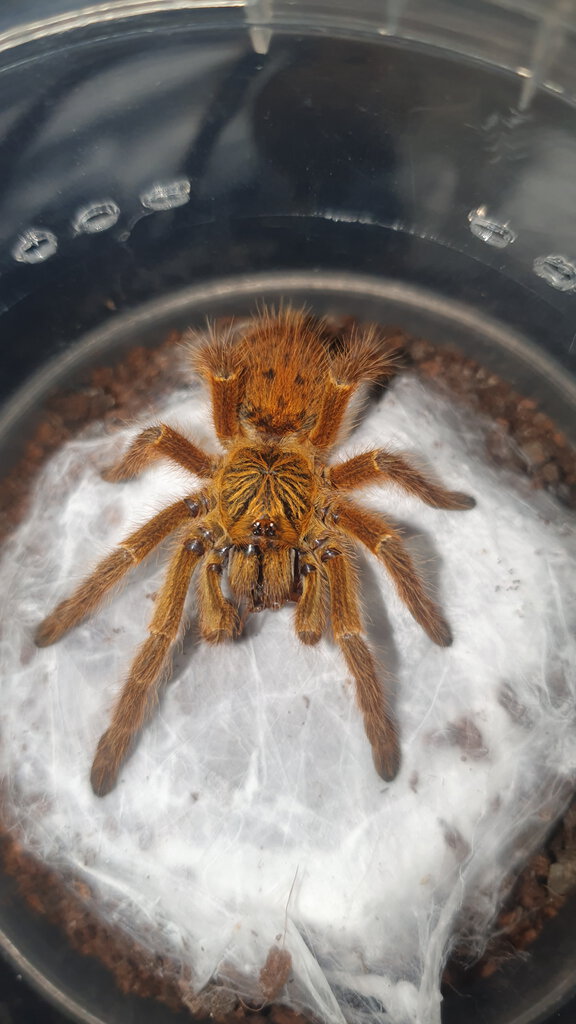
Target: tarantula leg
219	619
160	442
261	576
246	577
130	552
311	610
366	357
217	362
140	693
370	694
243	569
276	576
382	466
383	541
225	395
336	398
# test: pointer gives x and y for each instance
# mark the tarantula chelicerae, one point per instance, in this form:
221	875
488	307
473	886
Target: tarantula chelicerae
271	513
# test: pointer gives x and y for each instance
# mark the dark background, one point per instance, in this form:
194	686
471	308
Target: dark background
19	1004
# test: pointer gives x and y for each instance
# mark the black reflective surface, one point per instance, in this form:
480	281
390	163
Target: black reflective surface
20	1004
322	154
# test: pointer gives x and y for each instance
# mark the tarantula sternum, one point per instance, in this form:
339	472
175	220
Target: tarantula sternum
271	513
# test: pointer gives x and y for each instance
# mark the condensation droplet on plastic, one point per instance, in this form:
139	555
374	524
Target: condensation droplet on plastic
166	195
492	232
34	245
96	217
558	271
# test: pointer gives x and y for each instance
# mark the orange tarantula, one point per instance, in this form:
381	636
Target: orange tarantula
272	516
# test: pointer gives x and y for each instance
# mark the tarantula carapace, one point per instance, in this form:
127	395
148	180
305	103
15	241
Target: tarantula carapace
272	517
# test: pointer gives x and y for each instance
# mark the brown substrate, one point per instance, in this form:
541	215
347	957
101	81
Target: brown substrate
538	894
521	438
69	904
66	904
111	395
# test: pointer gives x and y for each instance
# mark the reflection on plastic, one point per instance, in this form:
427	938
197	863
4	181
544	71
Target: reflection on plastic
166	195
34	245
558	271
490	231
96	217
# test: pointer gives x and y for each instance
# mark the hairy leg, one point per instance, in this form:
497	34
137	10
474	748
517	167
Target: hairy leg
245	575
130	552
225	397
217	362
311	609
370	694
219	619
276	576
383	541
160	442
337	396
381	466
366	357
262	577
140	693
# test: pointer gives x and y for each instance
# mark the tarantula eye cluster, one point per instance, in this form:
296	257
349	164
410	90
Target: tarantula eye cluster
264	527
271	513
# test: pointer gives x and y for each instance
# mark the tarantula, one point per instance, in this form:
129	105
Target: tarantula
272	516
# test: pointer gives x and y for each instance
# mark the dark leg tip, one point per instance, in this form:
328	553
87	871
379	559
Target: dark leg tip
228	627
463	501
45	634
309	637
112	476
440	633
387	759
104	773
102	781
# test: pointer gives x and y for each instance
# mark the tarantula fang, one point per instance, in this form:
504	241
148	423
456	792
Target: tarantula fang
271	513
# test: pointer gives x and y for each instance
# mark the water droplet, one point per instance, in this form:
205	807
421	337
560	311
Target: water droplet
166	195
558	271
35	245
490	231
96	217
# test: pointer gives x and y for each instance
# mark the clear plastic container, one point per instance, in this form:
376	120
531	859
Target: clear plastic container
408	160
